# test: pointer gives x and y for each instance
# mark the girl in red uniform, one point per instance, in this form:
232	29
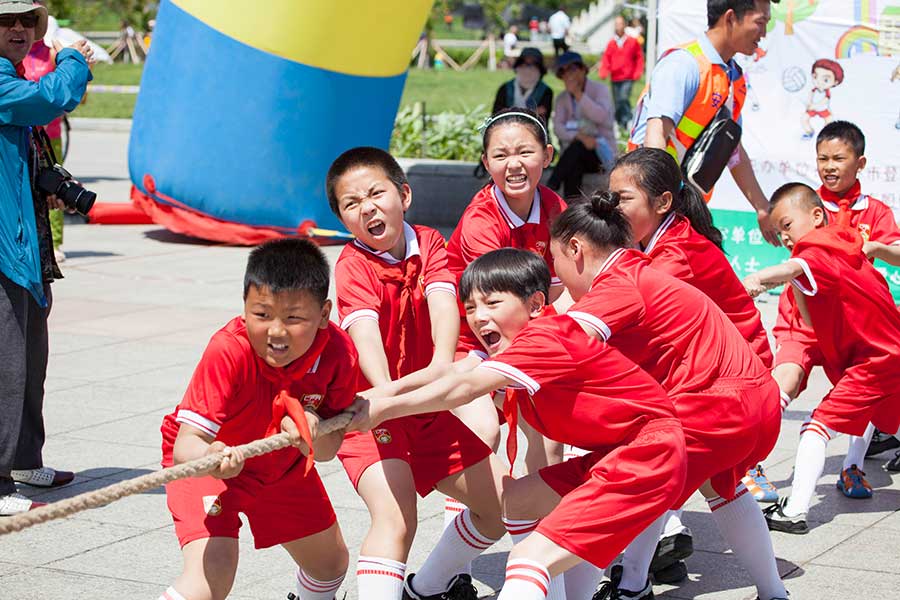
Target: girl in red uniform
723	393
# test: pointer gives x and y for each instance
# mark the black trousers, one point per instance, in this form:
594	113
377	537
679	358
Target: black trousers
573	163
23	368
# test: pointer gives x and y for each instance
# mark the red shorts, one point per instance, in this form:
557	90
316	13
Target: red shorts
806	355
825	114
435	446
857	399
290	508
728	429
608	498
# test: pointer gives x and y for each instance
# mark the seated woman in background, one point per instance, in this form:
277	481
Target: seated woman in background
527	90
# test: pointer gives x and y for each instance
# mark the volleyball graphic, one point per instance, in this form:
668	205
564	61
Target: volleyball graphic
793	79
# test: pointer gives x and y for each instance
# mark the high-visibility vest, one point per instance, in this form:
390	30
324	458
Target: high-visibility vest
713	92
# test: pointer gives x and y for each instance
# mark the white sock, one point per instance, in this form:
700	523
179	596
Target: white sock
519	529
570	451
525	580
171	594
743	526
582	580
638	554
808	467
856	453
452	508
673	524
459	545
379	578
309	588
785	400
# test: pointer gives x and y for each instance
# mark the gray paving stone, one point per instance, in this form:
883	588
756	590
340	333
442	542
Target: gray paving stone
872	550
47	584
59	540
98	457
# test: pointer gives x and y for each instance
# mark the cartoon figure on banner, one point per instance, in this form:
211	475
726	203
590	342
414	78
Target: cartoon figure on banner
826	74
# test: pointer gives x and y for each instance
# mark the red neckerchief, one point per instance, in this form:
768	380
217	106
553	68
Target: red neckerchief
844	201
407	277
284	403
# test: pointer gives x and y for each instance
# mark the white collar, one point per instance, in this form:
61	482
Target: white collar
862	203
663	227
512	219
609	261
412	246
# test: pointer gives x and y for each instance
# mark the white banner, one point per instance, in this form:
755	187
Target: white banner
855	48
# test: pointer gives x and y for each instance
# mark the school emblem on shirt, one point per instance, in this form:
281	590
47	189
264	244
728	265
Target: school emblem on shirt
212	505
382	436
311	400
865	230
540	248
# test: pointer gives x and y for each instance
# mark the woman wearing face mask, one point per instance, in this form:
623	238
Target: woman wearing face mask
526	90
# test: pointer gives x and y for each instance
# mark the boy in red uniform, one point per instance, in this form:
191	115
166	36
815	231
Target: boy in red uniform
857	328
394	296
840	150
571	389
282	354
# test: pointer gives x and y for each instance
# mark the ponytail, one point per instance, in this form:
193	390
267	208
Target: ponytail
656	172
598	219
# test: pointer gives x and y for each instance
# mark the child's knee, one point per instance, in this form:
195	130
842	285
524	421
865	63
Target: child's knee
209	568
789	378
397	524
517	502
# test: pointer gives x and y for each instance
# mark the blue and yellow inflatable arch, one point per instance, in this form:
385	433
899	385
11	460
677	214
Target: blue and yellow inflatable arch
244	105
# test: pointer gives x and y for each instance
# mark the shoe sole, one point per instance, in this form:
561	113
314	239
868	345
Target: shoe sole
878	448
792	528
675	573
851	495
679	548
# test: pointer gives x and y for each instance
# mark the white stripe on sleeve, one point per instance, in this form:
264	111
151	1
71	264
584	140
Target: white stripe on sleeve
512	373
357	315
189	417
812	280
593	322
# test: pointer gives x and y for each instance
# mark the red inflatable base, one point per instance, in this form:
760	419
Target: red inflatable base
117	213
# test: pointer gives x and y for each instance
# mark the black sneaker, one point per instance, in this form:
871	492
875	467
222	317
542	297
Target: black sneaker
894	463
882	442
778	521
672	549
674	573
609	590
459	588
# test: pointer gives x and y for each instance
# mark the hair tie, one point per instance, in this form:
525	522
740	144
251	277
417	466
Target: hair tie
491	120
681	185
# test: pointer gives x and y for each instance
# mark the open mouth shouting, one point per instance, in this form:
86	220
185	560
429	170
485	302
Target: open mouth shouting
376	227
491	340
278	350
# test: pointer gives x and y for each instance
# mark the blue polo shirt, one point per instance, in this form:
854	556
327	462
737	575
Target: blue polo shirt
674	83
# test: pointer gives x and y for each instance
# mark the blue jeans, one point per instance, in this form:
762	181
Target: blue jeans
622	97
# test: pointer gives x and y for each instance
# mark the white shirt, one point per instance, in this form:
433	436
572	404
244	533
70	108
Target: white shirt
509	42
559	24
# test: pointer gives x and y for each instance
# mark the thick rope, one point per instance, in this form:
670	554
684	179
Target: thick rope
193	468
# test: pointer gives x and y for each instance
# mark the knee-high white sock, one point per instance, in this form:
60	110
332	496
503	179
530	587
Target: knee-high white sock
171	594
519	529
808	467
785	400
673	524
309	588
856	453
742	525
638	554
459	545
582	581
452	509
525	580
379	578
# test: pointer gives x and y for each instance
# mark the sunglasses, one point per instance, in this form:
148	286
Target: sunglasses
29	19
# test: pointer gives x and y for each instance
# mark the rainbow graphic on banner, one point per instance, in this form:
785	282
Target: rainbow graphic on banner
865	11
857	40
243	106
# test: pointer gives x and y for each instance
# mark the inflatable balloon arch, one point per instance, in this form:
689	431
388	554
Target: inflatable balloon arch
241	112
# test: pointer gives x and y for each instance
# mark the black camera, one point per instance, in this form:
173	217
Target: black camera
57	181
51	179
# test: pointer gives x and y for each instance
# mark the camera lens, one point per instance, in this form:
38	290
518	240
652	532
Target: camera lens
75	196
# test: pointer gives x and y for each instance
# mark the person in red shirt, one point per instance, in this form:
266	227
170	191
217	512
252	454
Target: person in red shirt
512	211
623	63
393	287
572	389
857	329
724	395
282	354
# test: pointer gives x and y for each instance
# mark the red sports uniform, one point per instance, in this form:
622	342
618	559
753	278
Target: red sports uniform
488	223
795	341
585	393
857	328
677	249
725	397
230	398
374	285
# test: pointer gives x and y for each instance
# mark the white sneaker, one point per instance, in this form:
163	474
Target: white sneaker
59	255
43	477
13	504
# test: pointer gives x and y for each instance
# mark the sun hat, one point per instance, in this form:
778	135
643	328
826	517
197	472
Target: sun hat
18	7
568	58
534	53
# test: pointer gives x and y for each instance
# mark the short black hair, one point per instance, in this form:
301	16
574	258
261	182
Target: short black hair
288	264
362	156
599	219
846	132
716	8
796	192
519	272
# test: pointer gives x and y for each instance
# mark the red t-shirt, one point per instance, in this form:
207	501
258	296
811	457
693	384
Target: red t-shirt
850	305
231	392
677	249
670	329
374	285
873	219
581	391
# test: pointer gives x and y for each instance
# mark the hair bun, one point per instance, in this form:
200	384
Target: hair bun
605	204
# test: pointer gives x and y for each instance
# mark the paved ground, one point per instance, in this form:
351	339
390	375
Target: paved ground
128	325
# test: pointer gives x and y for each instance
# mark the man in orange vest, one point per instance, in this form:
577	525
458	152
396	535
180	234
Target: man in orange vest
692	82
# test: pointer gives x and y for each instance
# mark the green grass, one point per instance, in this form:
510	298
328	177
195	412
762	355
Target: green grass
117	74
107	106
